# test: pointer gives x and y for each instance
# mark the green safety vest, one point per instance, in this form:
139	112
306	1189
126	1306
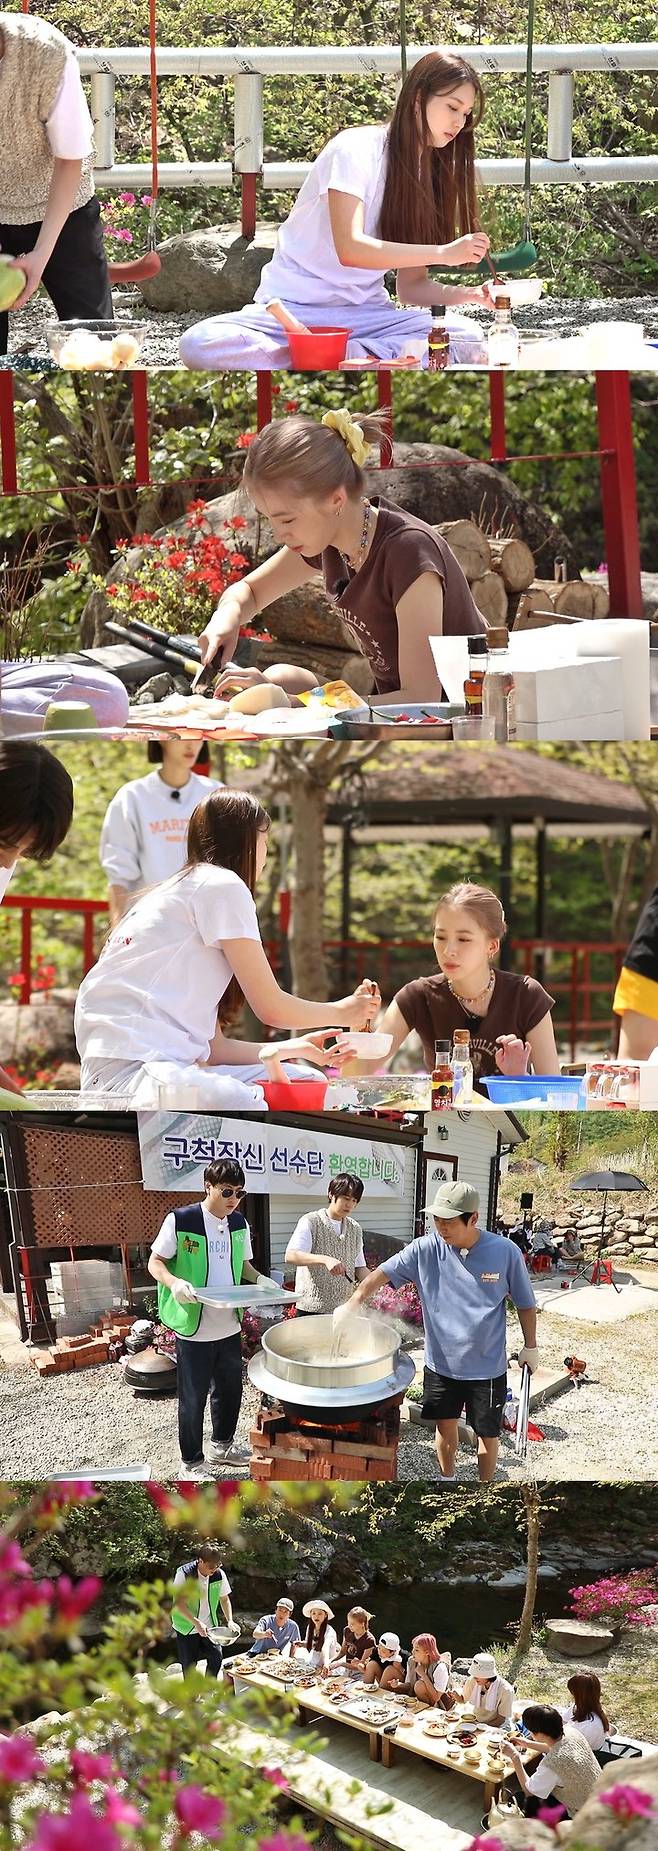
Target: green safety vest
191	1593
191	1261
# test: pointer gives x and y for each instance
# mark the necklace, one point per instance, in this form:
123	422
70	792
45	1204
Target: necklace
355	564
468	1003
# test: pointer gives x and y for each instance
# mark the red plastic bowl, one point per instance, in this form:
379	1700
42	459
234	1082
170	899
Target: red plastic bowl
318	351
295	1095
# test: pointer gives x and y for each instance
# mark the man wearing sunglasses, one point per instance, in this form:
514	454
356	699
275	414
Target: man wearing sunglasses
206	1245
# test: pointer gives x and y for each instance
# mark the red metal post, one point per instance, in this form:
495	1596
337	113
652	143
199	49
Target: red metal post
263	399
141	428
249	185
8	434
498	442
619	493
25	992
385	403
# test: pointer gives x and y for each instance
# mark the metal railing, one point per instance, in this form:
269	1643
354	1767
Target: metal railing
579	975
250	66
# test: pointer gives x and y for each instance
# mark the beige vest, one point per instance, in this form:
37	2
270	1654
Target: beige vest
320	1290
576	1768
31	72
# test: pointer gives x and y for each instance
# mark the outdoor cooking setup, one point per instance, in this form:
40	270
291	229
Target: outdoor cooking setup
336	1412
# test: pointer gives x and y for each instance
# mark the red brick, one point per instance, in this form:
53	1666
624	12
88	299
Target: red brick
44	1366
288	1468
350	1469
381	1469
262	1469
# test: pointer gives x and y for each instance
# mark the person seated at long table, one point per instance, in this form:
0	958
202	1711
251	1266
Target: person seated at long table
428	1673
387	1663
567	1771
277	1631
585	1712
357	1643
320	1644
488	1693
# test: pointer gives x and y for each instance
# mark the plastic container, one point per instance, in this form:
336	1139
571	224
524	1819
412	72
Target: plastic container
295	1095
96	346
318	351
564	1091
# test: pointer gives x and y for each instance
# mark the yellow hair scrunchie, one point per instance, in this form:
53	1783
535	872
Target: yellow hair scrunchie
351	433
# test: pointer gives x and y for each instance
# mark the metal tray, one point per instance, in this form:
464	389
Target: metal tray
244	1297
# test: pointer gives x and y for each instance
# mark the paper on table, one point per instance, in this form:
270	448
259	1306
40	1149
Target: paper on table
451	663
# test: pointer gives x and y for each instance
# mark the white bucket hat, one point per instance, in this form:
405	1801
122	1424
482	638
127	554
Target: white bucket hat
312	1606
483	1665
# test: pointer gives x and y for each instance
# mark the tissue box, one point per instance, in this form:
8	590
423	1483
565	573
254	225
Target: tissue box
571	700
648	1086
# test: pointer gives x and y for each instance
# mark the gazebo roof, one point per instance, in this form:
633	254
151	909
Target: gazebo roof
435	783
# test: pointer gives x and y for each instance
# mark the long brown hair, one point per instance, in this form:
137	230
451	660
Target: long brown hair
223	830
585	1689
429	193
311	457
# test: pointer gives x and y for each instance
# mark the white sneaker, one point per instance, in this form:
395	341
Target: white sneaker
218	1449
236	1454
197	1472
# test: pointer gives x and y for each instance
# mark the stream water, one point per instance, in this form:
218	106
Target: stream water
465	1619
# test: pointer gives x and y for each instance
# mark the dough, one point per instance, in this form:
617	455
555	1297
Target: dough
258	699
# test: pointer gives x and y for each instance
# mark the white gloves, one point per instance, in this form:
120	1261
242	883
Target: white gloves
269	1285
529	1355
183	1292
234	1629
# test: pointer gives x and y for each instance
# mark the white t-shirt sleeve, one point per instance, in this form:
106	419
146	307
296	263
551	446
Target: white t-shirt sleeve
5	877
119	851
301	1240
69	127
223	907
542	1782
440	1678
592	1729
360	1258
344	169
225	1587
165	1242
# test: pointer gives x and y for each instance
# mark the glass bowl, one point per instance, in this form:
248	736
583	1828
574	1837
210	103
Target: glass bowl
96	346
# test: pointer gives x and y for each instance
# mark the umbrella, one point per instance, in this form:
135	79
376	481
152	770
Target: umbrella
521	1431
605	1183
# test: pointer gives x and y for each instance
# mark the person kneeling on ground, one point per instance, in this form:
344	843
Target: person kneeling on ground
327	1249
463	1275
567	1771
387	1664
488	1693
203	1589
36	812
357	1643
50	220
206	1245
277	1631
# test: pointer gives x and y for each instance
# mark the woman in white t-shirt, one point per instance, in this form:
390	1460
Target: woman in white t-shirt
397	196
144	834
428	1671
586	1712
320	1643
174	973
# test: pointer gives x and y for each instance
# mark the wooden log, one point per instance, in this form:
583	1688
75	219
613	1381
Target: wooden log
491	597
514	561
469	545
575	598
601	597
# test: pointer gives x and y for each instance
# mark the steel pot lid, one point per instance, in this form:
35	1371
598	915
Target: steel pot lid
334	1403
301	1351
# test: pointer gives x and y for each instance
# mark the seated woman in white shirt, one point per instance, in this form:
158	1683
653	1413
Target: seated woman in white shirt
489	1695
50	221
397	196
144	834
174	973
428	1672
585	1712
320	1643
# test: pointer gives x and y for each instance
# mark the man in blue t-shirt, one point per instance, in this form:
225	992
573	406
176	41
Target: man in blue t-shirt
464	1276
276	1630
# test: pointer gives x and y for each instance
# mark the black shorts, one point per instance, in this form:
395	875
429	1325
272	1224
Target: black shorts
445	1399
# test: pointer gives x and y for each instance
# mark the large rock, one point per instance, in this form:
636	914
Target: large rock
598	1827
209	272
579	1638
39	1034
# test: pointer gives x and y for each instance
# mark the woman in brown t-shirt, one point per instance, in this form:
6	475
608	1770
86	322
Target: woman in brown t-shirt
392	577
509	1017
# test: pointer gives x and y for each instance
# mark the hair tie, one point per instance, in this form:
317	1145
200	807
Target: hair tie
351	433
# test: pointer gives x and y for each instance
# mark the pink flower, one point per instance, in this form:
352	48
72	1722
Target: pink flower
120	1811
73	1601
75	1491
80	1829
551	1815
127	199
628	1803
19	1759
276	1777
281	1842
85	1767
197	1811
485	1843
146	199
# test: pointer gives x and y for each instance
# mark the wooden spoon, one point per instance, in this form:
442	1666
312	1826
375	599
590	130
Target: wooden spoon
285	319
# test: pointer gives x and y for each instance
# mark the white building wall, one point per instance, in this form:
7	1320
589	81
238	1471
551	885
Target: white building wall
377	1215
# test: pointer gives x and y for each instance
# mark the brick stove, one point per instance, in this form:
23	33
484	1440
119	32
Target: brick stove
285	1445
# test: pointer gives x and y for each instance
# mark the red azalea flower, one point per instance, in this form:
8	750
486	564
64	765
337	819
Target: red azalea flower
197	1811
88	1767
276	1778
80	1829
19	1759
73	1601
628	1803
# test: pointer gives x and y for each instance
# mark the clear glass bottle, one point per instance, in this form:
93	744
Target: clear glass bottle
504	344
477	668
441	1079
438	343
462	1067
498	692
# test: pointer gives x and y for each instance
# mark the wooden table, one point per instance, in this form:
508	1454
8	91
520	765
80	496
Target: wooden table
314	1701
435	1748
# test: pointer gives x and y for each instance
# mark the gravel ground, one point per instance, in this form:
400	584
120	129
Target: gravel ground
554	315
607	1429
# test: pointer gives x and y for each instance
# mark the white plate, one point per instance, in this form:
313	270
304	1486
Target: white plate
291	722
374	1046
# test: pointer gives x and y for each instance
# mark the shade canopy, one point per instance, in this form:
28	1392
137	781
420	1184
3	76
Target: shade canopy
607	1181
